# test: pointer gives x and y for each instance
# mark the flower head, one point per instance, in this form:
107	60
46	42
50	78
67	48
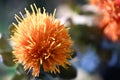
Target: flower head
110	22
39	39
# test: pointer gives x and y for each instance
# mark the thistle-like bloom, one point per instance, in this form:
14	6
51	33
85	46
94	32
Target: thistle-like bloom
110	22
39	39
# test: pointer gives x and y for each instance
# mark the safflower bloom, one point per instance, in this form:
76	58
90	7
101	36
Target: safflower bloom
110	22
39	39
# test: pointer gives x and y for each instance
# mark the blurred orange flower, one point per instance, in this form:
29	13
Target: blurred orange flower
110	10
39	39
94	2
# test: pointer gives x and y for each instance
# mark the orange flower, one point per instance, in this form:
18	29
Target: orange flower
113	31
110	10
41	40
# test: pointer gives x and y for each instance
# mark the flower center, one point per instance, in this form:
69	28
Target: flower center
44	57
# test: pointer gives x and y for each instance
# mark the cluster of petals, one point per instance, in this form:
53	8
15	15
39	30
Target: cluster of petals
40	39
110	21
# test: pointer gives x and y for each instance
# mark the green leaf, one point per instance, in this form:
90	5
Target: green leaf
20	69
12	29
18	76
4	43
68	73
8	59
